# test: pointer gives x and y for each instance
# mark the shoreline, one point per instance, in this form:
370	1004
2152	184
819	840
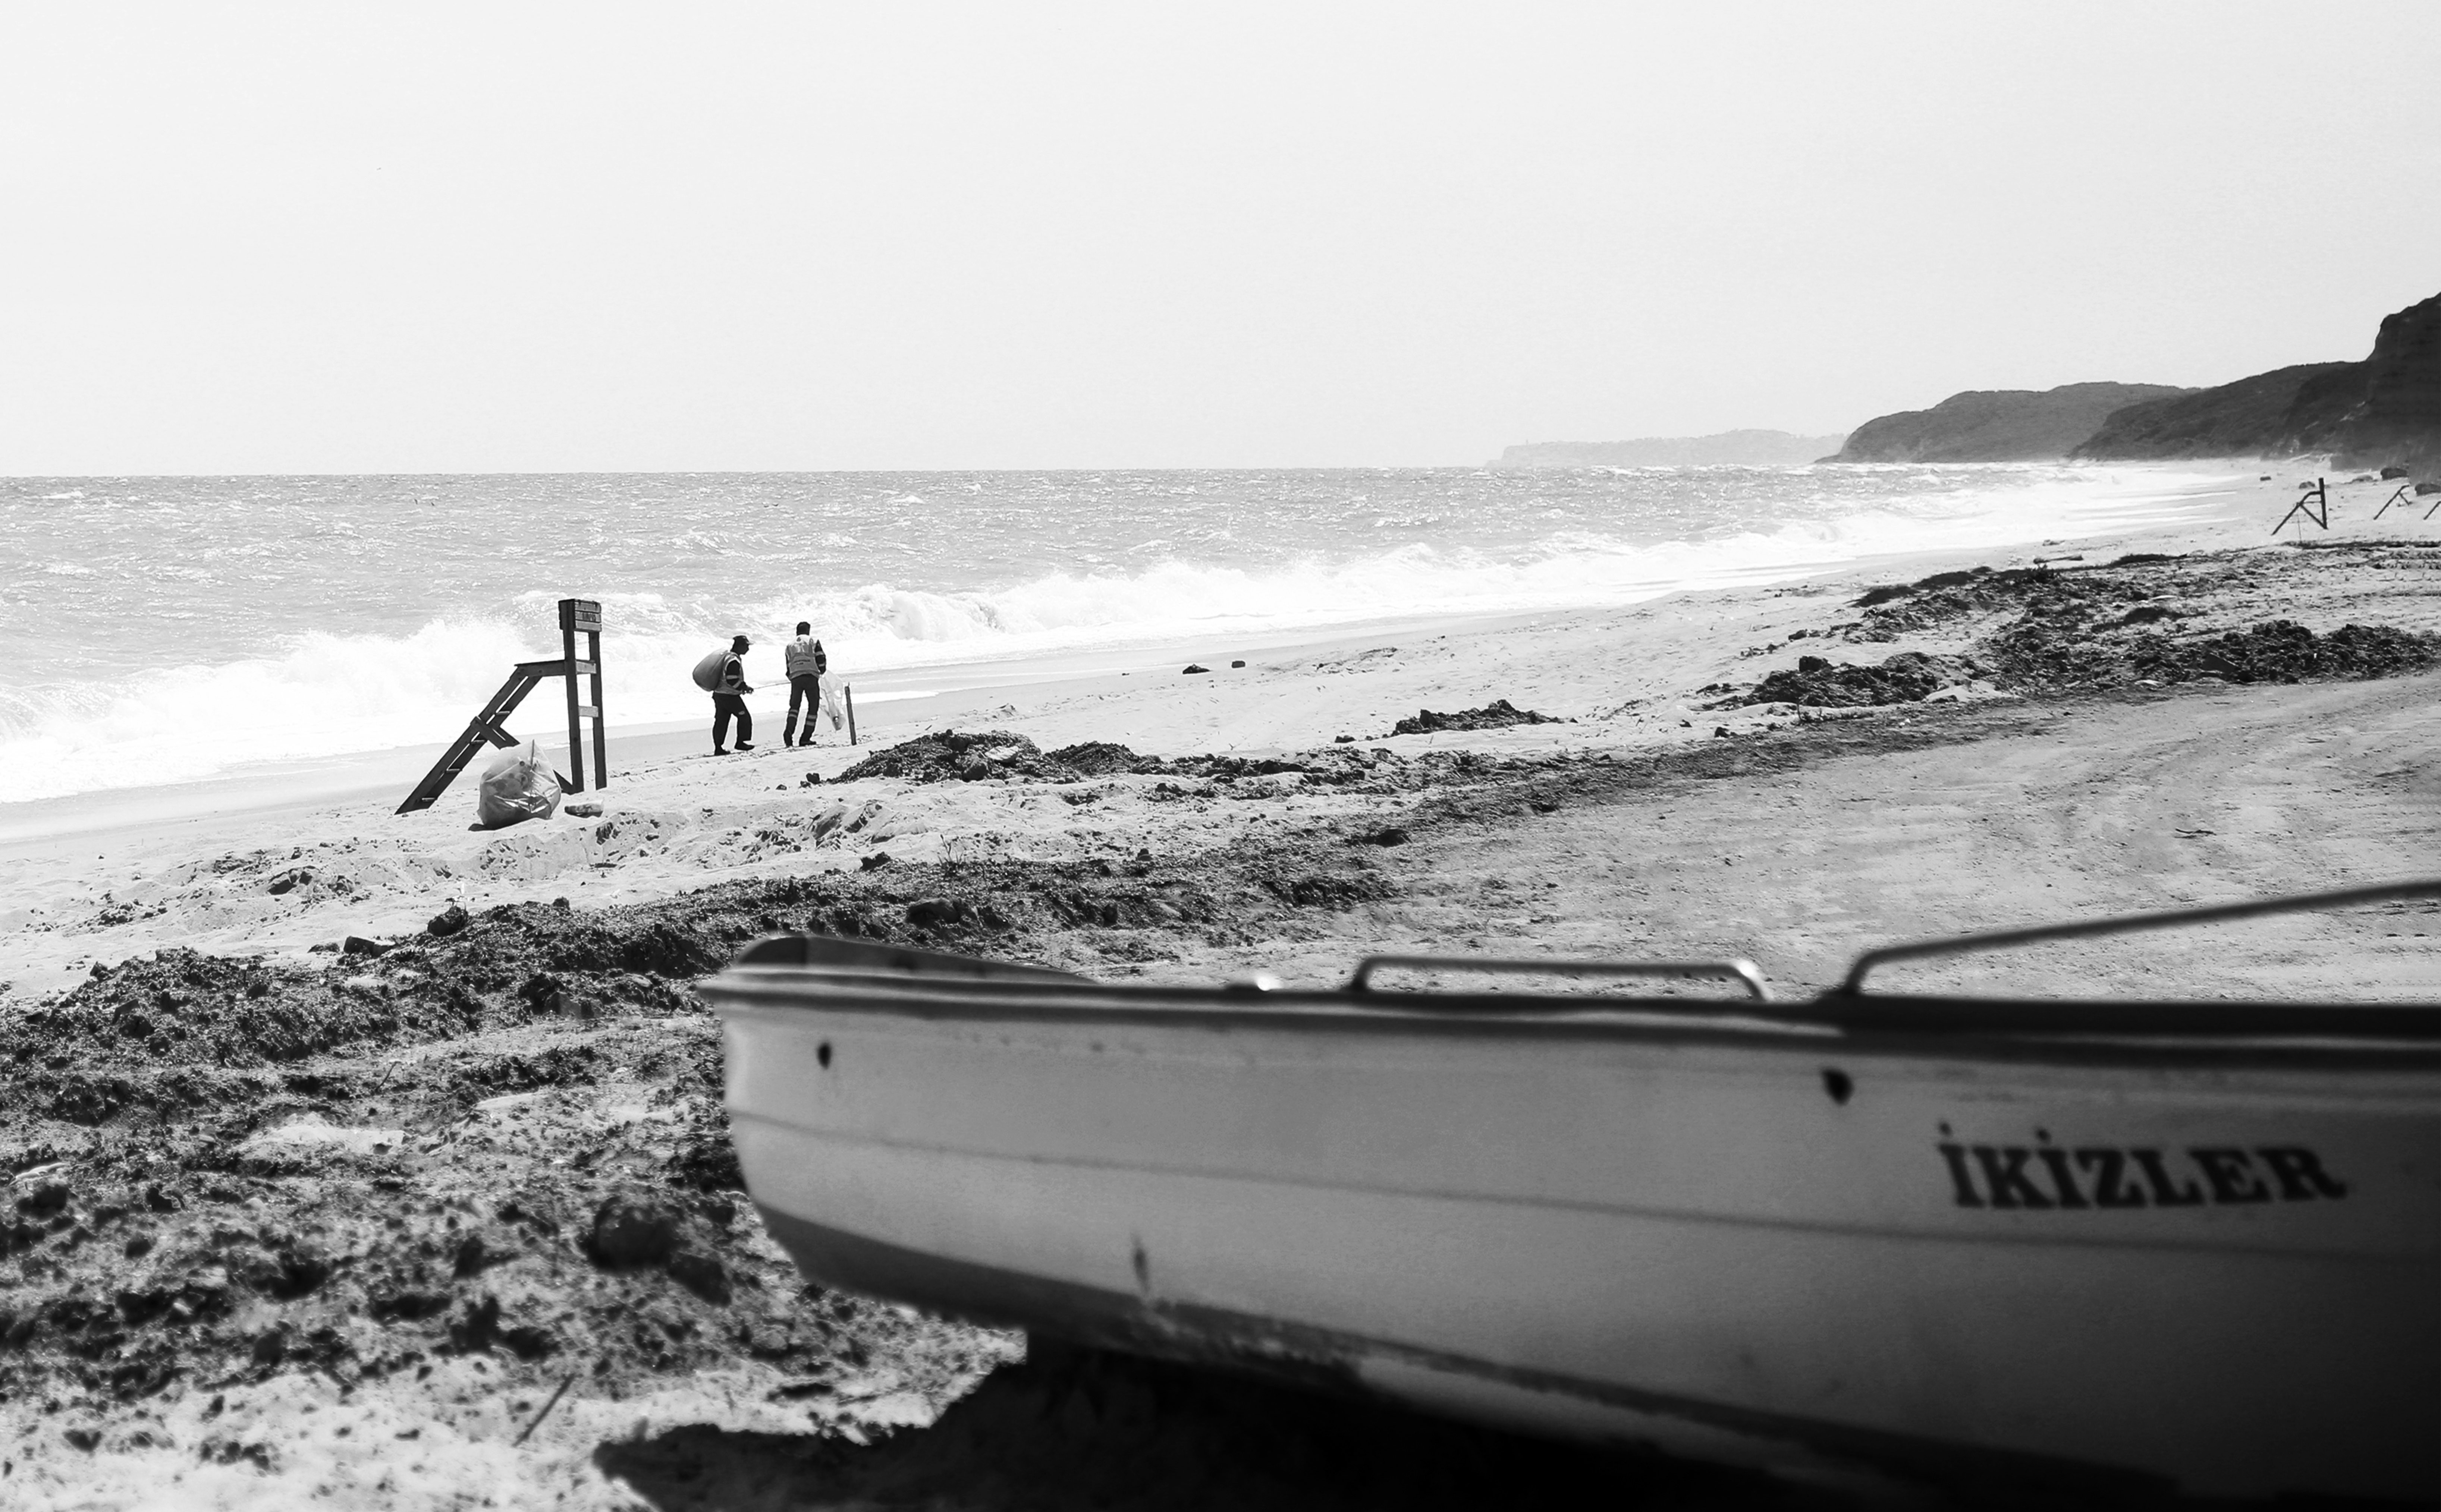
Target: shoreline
962	687
100	876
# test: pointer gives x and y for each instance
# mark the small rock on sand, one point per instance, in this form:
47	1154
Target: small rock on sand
631	1228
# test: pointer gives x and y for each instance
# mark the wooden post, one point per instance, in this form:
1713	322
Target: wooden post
575	696
601	731
584	616
848	693
2399	498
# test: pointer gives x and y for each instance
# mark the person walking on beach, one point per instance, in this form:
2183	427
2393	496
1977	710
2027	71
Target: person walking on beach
729	699
807	662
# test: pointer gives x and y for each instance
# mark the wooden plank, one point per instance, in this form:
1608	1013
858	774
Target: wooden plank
486	725
575	724
600	738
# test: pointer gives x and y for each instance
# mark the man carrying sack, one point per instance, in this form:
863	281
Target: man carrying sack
723	675
807	663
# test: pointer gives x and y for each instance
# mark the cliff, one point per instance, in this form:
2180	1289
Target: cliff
2381	411
1750	448
1997	425
2235	419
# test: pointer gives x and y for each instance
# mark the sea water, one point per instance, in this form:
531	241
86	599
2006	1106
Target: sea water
160	629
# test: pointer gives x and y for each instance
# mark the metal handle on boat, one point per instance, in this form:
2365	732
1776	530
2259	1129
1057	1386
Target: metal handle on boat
2128	923
1744	972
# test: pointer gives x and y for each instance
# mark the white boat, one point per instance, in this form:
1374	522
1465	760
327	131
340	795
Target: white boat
2135	1246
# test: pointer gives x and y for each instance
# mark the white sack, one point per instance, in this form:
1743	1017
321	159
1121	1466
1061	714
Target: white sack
518	786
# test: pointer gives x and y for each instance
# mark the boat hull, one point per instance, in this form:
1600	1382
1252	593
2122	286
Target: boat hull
2218	1272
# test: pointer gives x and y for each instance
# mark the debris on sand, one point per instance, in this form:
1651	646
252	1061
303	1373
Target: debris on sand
2120	624
999	755
502	1143
2273	651
1819	683
966	755
1102	758
1497	714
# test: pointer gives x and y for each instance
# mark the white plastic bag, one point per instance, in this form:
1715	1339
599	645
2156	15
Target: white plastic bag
831	704
518	786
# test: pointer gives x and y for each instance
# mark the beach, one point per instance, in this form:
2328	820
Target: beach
336	1098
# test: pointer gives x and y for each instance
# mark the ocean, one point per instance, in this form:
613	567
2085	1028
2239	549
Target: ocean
163	629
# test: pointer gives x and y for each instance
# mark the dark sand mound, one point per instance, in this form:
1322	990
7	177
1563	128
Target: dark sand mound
2273	651
2115	624
971	755
235	1170
1498	714
998	755
1819	683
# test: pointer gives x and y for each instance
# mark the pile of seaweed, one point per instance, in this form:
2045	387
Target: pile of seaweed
228	1168
2034	653
975	756
2111	625
1819	683
1497	714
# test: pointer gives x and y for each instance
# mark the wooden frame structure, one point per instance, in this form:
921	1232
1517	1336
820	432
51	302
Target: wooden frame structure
576	617
2315	504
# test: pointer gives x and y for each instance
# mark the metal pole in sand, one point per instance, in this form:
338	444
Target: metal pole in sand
848	691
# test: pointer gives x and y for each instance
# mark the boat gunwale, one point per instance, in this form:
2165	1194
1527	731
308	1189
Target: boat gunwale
1906	1025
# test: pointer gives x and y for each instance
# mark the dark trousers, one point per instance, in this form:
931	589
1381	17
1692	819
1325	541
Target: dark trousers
723	705
807	686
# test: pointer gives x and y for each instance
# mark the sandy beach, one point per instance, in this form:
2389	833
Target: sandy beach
297	1218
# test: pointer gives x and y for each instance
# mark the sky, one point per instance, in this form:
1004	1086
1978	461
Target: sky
437	238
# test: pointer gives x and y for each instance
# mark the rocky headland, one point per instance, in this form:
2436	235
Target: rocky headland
1997	425
2383	411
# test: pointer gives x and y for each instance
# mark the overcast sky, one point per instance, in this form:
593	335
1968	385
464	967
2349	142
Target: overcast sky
526	236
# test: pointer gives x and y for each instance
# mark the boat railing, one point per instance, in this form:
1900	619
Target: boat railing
2129	922
1746	973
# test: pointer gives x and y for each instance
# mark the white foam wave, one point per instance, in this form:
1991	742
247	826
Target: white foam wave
328	695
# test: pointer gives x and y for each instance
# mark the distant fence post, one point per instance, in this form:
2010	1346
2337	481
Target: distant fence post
2398	498
2315	504
848	690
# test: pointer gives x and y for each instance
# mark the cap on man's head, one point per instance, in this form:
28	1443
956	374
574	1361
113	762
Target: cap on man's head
805	627
739	644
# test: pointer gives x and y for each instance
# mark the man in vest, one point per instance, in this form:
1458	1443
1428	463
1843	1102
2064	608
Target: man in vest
807	664
729	700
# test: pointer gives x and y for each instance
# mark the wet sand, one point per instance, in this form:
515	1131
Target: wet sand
296	1225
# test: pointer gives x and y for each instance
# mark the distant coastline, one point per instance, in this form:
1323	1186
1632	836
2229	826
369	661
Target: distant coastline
1731	448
